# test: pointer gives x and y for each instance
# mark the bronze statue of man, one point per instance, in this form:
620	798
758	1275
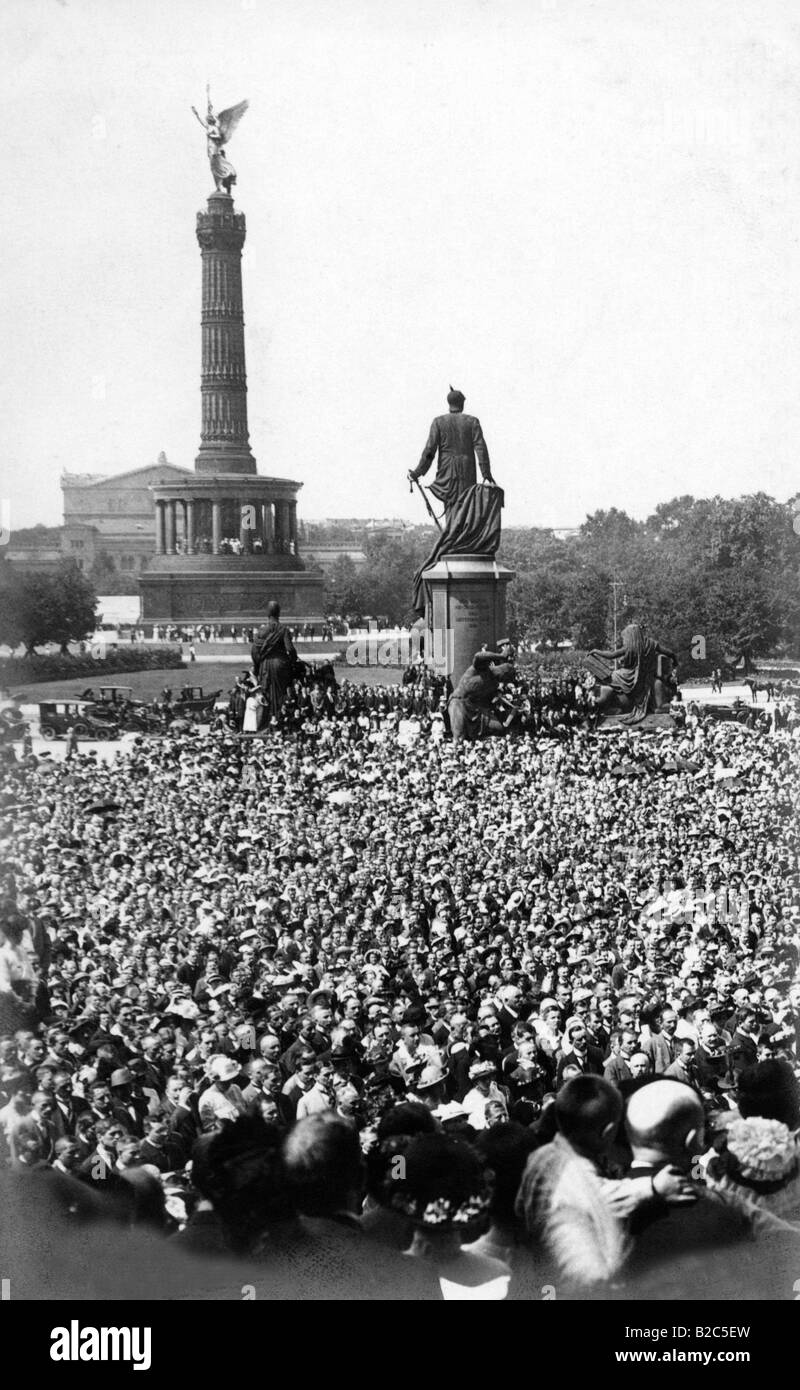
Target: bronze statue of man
458	440
470	705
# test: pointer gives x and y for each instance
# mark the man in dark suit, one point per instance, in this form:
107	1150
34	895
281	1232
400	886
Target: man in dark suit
181	1119
67	1105
743	1050
673	1244
160	1146
578	1051
459	441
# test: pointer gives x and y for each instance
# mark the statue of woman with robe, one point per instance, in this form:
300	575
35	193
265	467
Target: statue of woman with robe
219	130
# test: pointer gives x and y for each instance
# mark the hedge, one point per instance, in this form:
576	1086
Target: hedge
27	670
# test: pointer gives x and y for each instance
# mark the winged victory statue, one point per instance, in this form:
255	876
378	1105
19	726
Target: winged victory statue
219	130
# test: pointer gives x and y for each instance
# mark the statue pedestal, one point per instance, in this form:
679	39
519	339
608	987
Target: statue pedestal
466	611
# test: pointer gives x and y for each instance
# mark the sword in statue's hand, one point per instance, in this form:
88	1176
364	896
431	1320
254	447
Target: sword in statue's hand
412	480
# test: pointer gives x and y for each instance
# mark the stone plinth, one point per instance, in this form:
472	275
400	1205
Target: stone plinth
234	591
467	610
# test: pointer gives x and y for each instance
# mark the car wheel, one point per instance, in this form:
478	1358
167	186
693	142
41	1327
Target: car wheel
80	730
48	732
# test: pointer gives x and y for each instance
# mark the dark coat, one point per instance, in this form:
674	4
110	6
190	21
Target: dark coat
683	1243
742	1052
458	440
593	1064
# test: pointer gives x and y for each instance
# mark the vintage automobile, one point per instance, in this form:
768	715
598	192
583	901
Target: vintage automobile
134	715
191	699
111	695
57	717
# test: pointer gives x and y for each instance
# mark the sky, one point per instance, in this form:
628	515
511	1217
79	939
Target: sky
582	214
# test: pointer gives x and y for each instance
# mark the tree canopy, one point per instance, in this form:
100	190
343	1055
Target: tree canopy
37	607
722	569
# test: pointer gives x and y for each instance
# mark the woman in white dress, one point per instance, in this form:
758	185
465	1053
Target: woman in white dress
253	709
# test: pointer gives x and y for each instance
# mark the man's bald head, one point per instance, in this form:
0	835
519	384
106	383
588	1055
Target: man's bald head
665	1120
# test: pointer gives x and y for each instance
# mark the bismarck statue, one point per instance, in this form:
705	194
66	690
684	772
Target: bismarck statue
643	683
471	509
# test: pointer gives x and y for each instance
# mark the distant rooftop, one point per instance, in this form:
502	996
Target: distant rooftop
363	522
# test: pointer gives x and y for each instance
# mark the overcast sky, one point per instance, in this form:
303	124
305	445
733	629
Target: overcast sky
584	215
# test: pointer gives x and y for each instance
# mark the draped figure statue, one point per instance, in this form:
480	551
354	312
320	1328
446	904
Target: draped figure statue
642	683
219	130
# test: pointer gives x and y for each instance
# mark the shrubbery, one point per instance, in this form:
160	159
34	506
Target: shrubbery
117	661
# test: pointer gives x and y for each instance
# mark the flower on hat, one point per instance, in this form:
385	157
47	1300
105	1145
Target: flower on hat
443	1212
761	1150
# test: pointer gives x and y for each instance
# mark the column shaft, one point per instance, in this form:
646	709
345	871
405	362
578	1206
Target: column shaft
245	527
190	527
170	528
160	530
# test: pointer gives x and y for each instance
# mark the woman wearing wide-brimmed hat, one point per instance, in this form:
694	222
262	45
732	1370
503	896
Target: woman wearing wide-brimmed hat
439	1183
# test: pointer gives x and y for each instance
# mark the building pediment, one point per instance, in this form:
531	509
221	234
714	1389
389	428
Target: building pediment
151	474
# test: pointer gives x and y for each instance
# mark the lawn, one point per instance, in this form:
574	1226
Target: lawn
212	675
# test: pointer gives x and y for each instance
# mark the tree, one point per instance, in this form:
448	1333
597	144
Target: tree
25	608
38	607
74	607
342	588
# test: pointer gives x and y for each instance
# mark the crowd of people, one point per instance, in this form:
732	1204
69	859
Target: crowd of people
412	1019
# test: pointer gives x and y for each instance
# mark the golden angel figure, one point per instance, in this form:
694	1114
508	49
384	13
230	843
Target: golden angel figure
219	130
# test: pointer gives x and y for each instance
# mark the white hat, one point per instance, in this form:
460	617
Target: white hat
222	1068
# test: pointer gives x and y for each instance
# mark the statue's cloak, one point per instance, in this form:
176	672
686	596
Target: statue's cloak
472	528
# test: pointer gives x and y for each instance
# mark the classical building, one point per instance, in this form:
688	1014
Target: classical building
225	538
113	513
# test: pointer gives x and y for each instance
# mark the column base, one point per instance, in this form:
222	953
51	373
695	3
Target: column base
217	459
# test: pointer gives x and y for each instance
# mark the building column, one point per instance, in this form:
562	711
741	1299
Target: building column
245	531
216	525
160	529
190	526
269	538
170	528
281	534
292	509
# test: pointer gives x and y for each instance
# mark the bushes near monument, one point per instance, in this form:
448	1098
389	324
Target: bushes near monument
118	661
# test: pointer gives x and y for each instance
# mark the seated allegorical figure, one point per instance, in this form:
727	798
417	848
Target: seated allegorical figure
642	683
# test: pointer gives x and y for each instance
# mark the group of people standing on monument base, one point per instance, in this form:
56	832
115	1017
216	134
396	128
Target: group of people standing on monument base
280	693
